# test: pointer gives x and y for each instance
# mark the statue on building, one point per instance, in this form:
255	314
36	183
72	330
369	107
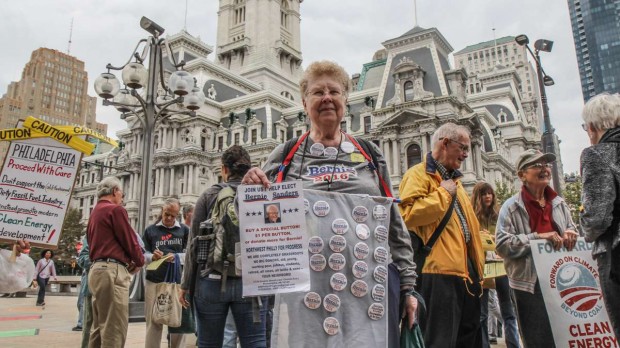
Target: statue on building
211	92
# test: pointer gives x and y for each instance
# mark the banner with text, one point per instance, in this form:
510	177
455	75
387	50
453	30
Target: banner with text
35	185
570	286
273	239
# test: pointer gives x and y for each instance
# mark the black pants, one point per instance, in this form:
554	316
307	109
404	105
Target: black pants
533	319
609	270
452	311
42	283
393	306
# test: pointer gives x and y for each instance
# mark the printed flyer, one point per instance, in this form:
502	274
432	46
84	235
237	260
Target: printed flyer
273	239
35	185
570	285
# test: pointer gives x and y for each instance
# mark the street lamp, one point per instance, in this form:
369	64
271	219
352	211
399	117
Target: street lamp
181	92
548	142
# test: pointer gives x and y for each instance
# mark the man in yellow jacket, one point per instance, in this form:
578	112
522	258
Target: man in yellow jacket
450	281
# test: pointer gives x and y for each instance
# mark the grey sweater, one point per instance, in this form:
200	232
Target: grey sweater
351	175
513	235
600	171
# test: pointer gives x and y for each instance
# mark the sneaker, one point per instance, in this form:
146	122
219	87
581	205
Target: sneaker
493	340
77	328
41	304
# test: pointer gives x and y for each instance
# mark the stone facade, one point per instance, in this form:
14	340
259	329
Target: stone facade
400	98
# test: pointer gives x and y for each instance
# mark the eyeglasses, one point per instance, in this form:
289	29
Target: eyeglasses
320	93
540	165
122	193
463	147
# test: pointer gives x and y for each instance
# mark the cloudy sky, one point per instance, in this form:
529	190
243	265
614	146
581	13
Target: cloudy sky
347	31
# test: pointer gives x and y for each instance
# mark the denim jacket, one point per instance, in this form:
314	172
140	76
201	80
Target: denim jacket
513	235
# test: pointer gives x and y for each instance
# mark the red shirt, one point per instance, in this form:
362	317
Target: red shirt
541	219
110	235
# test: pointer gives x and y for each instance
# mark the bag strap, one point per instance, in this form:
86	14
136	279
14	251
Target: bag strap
442	225
44	267
225	192
372	164
171	277
283	169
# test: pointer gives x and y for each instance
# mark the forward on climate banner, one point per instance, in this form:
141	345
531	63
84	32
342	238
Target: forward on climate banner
570	285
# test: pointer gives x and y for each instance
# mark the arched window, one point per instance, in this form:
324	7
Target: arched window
414	155
408	87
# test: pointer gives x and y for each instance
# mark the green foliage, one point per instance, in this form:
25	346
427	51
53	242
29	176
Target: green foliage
72	232
572	195
503	191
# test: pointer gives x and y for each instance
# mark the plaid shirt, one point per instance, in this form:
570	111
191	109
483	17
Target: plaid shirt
445	175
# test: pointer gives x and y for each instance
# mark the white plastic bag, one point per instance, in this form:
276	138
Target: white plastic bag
15	276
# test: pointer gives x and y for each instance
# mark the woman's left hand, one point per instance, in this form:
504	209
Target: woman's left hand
569	239
411	306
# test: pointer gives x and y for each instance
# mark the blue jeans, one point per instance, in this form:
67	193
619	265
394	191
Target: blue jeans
211	308
509	318
230	332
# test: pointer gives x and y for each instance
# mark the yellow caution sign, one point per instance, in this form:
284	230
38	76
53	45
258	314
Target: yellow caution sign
38	126
78	130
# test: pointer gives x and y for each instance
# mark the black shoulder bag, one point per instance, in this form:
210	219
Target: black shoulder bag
421	251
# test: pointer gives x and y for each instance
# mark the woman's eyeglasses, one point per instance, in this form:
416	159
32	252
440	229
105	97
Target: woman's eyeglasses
541	165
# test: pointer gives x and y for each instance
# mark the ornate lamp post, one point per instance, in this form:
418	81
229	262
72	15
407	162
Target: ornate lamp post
548	143
160	100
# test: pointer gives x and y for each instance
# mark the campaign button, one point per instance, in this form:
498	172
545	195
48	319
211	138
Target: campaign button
320	208
360	269
317	262
331	326
362	231
376	311
359	288
337	261
360	213
340	226
306	206
338	281
315	244
347	147
361	251
337	243
331	303
317	149
312	300
378	293
380	212
381	233
380	274
330	152
381	255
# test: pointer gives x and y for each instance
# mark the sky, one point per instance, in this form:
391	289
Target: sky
346	31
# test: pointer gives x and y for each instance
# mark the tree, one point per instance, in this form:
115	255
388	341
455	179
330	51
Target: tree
503	191
572	195
71	233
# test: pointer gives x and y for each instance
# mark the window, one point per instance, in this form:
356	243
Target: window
284	14
237	138
408	91
414	155
367	124
220	143
254	135
282	136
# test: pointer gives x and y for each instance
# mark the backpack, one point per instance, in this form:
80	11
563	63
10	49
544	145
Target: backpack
221	232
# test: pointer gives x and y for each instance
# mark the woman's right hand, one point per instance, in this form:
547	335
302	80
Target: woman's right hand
552	237
256	176
182	299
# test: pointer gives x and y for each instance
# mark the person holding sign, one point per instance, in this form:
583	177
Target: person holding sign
537	212
213	290
484	201
328	159
600	170
163	239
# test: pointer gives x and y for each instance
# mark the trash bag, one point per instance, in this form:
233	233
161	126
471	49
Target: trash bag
15	276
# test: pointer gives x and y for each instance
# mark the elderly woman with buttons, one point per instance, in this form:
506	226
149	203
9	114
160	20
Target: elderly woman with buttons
600	170
536	212
326	147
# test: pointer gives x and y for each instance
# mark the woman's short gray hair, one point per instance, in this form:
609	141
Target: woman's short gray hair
106	186
451	131
602	111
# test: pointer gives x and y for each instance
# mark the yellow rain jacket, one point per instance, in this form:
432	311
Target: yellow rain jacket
423	204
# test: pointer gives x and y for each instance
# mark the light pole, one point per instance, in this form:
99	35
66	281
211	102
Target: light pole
548	141
151	108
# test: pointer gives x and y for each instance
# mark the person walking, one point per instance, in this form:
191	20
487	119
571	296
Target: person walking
44	271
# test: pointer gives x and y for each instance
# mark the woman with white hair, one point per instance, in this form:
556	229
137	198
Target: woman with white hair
600	171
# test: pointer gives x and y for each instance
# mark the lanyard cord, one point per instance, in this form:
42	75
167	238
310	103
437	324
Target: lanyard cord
331	178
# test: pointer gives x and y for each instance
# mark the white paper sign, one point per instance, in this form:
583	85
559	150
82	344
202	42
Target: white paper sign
570	285
35	190
274	243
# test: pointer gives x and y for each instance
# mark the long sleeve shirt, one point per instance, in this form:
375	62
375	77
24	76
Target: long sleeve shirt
45	270
110	235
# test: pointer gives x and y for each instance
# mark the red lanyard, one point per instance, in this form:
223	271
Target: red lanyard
371	165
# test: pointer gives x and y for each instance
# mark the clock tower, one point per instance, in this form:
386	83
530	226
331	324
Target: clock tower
259	39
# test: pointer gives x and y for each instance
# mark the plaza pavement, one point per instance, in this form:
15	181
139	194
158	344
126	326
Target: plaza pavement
50	327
